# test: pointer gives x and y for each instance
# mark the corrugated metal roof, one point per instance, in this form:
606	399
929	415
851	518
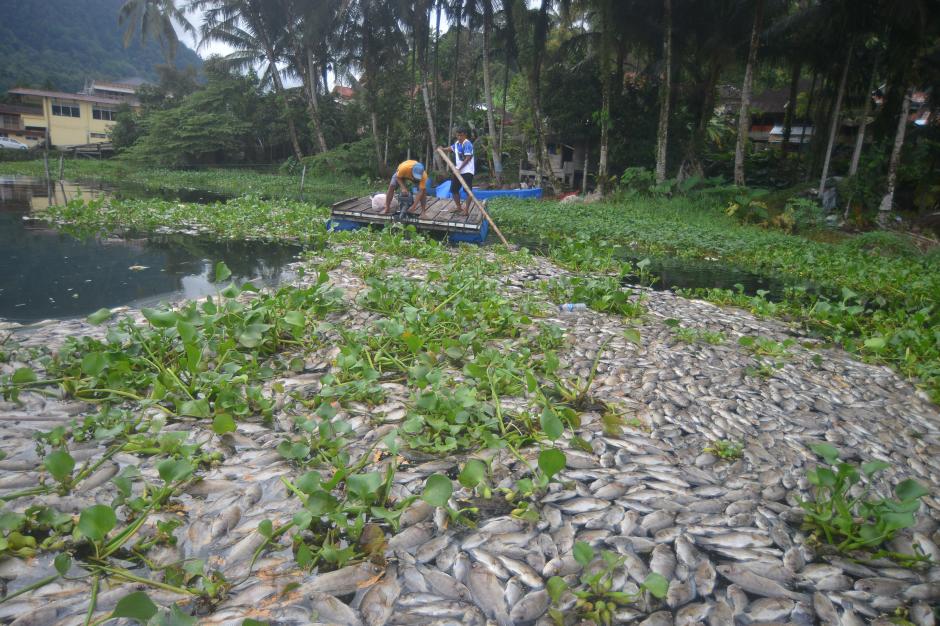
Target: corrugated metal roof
42	93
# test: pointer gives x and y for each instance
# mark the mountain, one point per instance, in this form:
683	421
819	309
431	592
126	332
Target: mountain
61	43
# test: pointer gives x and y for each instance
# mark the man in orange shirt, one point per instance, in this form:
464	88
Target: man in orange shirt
408	173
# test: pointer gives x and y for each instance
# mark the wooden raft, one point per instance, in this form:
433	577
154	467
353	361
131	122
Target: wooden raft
440	215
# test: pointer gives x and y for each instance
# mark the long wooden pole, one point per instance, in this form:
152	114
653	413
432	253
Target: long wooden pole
463	183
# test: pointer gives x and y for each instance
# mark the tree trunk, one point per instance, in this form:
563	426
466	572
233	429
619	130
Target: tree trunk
539	36
427	110
691	164
502	113
488	92
436	93
863	123
313	107
379	162
744	115
602	176
834	123
584	176
453	79
665	94
282	96
887	202
791	107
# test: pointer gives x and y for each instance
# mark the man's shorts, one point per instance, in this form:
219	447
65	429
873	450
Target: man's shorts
455	184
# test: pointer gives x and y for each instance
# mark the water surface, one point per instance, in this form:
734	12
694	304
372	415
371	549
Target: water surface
47	273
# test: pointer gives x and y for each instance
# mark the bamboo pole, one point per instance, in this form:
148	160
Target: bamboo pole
463	183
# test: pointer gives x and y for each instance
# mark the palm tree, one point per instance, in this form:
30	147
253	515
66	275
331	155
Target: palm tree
154	19
258	31
486	9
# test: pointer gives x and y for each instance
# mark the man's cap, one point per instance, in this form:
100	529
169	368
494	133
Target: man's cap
417	170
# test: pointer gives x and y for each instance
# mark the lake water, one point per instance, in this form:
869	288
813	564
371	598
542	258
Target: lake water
45	273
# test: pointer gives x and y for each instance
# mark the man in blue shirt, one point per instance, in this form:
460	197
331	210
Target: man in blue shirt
466	165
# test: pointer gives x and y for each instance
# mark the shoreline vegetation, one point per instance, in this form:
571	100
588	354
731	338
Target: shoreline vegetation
882	308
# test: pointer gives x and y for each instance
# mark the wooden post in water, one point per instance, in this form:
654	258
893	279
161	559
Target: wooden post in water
470	195
61	163
303	175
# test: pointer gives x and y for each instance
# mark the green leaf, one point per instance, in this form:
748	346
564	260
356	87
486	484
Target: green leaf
23	375
136	605
876	343
633	336
254	622
222	272
873	467
551	461
308	483
172	471
364	485
828	452
556	586
266	528
60	464
195	408
187	331
302	519
62	562
472	474
437	490
551	424
160	319
910	489
223	423
96	522
295	319
94	363
583	553
99	316
175	617
656	584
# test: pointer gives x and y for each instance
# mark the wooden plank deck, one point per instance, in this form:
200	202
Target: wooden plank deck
440	215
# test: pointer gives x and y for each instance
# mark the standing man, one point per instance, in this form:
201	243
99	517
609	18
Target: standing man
408	172
466	165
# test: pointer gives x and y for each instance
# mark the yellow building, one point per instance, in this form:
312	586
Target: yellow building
65	119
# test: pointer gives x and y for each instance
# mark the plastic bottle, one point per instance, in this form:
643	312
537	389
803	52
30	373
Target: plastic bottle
569	307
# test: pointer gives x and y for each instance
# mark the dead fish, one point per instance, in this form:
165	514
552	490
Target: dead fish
490	562
755	584
825	610
532	606
525	572
770	609
344	580
411	537
735	540
693	614
461	567
331	609
704	578
680	593
379	601
445	585
429	550
488	594
663	561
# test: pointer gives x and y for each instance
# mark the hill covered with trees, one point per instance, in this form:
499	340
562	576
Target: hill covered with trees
61	43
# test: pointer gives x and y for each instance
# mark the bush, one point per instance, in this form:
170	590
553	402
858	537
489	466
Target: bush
24	155
351	159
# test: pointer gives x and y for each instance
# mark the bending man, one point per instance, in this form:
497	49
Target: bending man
408	173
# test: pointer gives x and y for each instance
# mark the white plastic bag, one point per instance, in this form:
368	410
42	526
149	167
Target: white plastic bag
378	203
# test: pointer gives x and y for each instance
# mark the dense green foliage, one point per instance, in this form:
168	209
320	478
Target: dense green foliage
59	44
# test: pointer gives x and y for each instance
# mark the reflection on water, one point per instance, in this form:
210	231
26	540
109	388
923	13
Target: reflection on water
45	273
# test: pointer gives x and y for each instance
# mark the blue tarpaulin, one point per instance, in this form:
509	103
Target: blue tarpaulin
443	191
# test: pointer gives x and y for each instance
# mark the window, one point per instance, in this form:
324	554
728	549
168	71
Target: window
104	114
99	135
69	109
10	121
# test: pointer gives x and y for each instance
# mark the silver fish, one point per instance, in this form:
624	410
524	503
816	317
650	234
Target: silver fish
330	609
532	606
488	594
755	584
379	601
